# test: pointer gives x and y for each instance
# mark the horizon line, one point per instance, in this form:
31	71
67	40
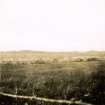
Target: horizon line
78	51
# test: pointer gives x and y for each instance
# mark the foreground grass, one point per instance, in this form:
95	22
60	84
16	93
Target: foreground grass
76	80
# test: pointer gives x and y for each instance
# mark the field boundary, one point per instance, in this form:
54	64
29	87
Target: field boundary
44	99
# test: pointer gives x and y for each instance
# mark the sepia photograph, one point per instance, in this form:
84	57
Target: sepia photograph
52	52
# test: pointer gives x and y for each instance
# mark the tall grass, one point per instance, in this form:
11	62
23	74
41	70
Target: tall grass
55	80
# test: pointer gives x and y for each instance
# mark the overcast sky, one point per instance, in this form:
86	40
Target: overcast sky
52	25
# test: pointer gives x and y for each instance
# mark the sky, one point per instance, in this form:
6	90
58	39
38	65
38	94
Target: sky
52	25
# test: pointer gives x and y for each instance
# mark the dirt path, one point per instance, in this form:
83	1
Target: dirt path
44	99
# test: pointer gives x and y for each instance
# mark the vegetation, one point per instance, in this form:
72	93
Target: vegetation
53	78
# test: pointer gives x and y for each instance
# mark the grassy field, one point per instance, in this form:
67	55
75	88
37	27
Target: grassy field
49	57
66	76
